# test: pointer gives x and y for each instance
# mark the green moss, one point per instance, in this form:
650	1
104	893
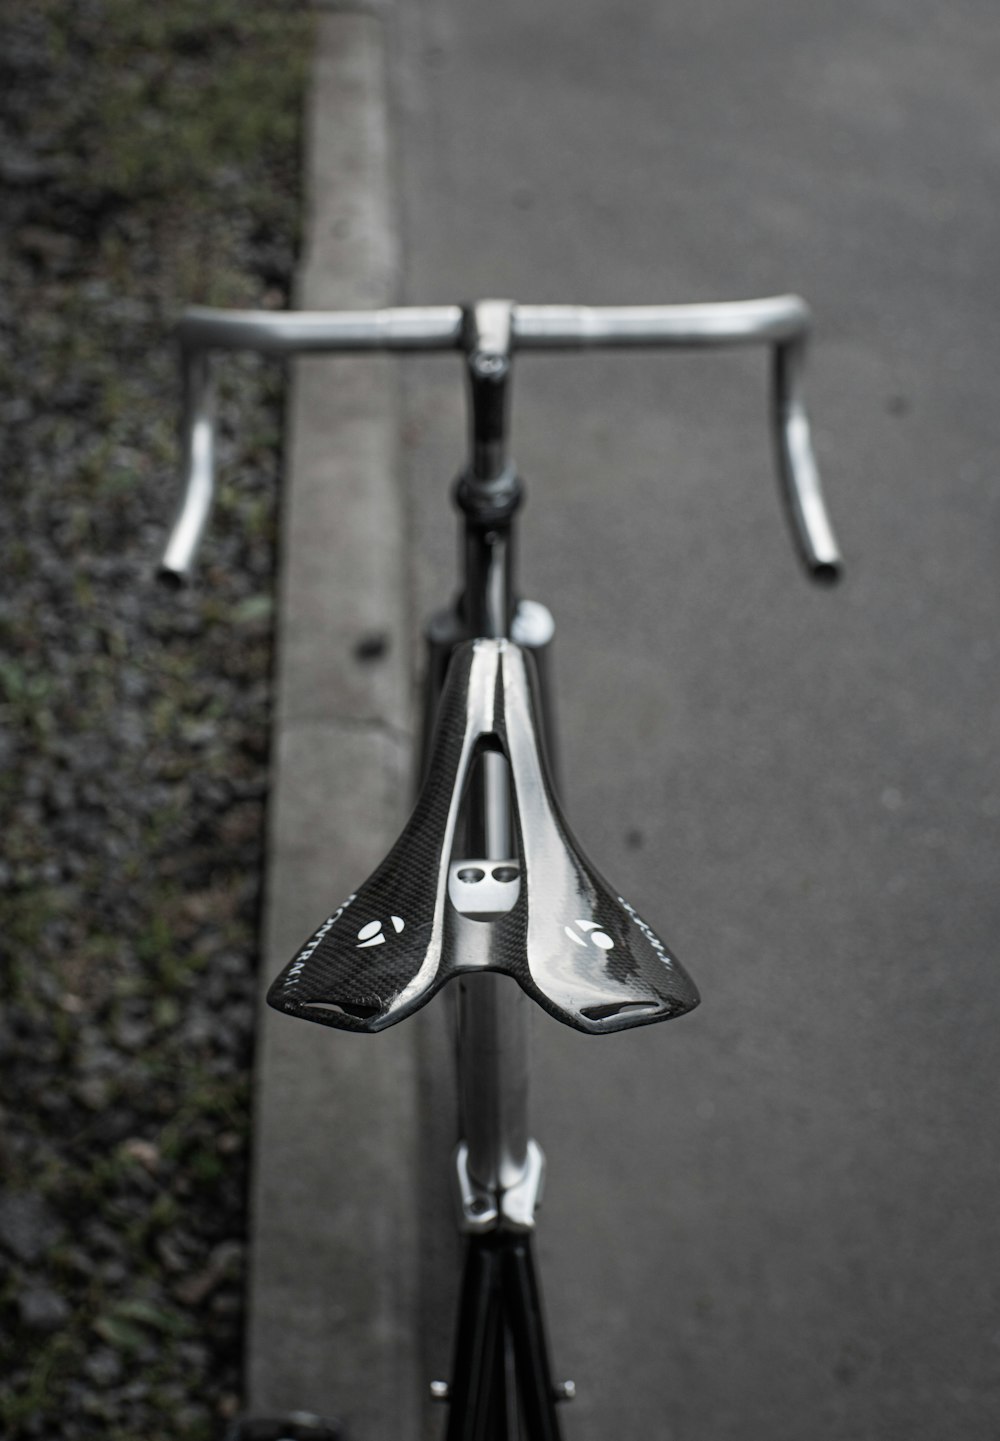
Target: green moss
53	1360
176	130
161	123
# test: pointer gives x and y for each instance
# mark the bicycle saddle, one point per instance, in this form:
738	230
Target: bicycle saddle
546	917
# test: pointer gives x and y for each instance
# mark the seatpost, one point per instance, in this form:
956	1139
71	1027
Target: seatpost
493	1014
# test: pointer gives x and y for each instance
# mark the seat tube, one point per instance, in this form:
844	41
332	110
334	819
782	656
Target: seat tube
493	1012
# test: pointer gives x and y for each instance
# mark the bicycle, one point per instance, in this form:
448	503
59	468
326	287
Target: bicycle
486	883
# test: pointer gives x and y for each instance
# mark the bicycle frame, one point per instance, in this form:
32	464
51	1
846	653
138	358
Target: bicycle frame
501	1383
501	1370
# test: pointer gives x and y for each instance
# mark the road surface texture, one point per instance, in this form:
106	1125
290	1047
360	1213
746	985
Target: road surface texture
777	1218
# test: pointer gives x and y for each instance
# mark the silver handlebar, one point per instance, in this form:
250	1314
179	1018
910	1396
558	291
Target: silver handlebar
782	322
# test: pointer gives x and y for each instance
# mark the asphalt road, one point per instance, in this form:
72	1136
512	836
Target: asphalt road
777	1218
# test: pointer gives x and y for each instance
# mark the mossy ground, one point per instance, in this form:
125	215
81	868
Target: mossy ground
150	158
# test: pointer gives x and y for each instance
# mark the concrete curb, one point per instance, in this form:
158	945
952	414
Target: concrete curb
333	1272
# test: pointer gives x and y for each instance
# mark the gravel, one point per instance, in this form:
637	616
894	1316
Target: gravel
149	158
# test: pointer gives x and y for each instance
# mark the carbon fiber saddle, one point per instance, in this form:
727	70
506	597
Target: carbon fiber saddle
546	917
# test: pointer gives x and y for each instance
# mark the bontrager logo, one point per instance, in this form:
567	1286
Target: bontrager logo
295	969
599	938
649	933
371	934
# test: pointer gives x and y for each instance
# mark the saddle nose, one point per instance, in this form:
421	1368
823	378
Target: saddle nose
546	917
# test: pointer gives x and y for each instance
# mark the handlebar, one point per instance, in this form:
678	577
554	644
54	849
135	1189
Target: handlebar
781	321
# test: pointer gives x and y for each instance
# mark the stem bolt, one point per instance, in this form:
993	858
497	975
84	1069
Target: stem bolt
440	1391
565	1391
